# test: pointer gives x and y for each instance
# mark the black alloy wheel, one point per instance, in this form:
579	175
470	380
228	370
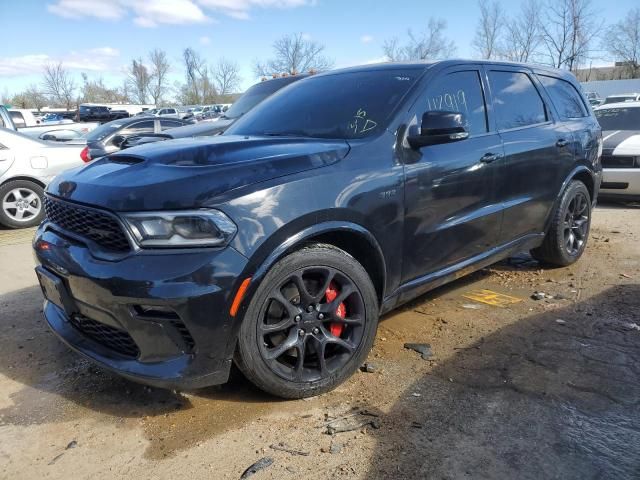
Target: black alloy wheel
310	323
576	223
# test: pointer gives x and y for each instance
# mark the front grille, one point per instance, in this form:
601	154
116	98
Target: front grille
102	228
618	161
113	338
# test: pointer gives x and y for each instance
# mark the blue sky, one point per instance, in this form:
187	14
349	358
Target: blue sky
100	37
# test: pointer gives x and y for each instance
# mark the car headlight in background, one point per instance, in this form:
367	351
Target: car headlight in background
195	228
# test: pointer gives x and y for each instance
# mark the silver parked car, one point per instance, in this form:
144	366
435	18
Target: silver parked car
27	165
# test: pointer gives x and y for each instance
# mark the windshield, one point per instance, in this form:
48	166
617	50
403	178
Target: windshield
255	95
103	131
345	106
620	99
619	118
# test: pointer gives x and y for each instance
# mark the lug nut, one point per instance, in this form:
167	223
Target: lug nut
316	331
297	318
310	308
301	332
321	316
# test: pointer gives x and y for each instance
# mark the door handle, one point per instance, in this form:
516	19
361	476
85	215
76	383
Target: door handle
490	157
562	143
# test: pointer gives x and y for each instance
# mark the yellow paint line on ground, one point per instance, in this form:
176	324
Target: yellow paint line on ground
491	298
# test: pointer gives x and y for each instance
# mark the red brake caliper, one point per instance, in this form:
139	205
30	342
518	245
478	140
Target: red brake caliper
332	292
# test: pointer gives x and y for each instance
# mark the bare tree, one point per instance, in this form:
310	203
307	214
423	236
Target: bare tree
489	29
523	34
159	70
226	77
5	98
139	80
194	68
568	28
622	41
35	97
430	44
58	84
294	54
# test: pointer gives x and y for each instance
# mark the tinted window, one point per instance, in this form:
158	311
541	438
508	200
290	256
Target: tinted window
619	99
565	97
164	124
517	102
619	118
344	105
18	119
255	95
104	130
460	92
138	127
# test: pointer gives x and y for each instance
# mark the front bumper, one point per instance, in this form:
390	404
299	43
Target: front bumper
159	318
621	183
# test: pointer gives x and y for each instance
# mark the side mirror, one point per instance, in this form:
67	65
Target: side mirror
440	127
118	140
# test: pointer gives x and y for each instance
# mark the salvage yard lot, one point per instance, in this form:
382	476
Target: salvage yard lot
545	388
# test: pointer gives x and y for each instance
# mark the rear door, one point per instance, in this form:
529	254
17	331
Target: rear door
573	113
452	212
536	149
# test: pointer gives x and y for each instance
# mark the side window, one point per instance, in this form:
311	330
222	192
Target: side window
517	102
460	92
165	124
137	128
18	119
565	97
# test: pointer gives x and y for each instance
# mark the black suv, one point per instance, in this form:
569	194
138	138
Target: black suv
278	244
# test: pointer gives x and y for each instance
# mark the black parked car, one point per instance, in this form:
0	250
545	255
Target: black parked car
279	243
246	102
108	138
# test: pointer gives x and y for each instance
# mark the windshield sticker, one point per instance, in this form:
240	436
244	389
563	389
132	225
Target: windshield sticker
361	124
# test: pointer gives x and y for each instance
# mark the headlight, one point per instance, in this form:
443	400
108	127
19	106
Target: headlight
197	228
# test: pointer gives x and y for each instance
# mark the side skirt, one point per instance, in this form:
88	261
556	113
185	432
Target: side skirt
414	288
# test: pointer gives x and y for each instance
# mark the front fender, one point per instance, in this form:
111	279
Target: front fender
263	259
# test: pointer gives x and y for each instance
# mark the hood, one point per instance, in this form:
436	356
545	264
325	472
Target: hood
190	173
621	142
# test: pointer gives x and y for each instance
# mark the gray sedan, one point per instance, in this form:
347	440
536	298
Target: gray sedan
27	165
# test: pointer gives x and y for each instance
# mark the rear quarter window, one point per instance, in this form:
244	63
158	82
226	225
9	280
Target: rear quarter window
18	119
565	97
516	100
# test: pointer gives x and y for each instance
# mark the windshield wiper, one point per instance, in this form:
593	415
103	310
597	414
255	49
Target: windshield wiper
284	134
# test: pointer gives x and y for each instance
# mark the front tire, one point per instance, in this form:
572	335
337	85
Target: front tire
310	324
21	204
567	237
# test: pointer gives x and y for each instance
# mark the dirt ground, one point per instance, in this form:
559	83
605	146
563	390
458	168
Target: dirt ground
536	389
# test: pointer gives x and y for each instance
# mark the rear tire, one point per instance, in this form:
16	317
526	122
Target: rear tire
300	342
21	204
568	233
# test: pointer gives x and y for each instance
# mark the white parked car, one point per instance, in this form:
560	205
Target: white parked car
620	124
27	165
623	97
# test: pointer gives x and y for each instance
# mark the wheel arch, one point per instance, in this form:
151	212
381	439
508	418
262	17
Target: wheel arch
26	178
581	173
353	238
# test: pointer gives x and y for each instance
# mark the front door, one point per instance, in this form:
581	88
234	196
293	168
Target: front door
451	209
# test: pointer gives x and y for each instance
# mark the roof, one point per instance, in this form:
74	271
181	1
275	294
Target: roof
424	65
634	104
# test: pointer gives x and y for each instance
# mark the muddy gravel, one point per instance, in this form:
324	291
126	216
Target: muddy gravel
546	388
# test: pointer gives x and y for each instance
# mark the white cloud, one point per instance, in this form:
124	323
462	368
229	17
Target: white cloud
306	36
106	10
366	39
151	13
204	40
92	60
